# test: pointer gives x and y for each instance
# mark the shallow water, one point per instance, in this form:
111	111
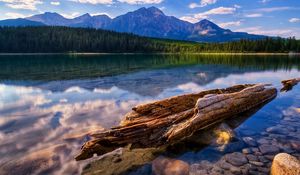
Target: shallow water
49	103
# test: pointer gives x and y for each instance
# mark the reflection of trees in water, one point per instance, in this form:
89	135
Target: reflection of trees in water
62	67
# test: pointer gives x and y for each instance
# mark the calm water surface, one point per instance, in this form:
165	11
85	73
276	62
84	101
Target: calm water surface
49	103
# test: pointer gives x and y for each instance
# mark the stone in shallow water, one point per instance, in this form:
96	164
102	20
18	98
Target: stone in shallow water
268	149
167	166
251	157
285	164
250	141
247	151
236	159
295	145
256	163
263	141
233	146
277	130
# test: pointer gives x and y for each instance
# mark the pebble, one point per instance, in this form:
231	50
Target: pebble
277	130
269	157
255	149
264	170
263	141
256	163
295	145
237	159
268	149
263	159
251	157
167	166
247	151
250	141
225	165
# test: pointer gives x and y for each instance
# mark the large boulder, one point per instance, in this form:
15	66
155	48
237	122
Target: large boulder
285	164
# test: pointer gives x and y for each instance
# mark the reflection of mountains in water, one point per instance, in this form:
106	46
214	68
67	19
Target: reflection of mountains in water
60	72
66	67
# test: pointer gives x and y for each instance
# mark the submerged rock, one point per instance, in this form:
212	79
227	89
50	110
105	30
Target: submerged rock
250	141
268	149
285	164
237	159
167	166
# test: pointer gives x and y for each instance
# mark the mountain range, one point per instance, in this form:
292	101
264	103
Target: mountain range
150	22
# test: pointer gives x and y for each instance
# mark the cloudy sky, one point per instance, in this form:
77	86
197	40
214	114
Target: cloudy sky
268	17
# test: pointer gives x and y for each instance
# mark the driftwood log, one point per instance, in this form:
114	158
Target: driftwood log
289	84
175	119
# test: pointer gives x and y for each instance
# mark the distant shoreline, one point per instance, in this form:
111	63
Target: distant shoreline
207	53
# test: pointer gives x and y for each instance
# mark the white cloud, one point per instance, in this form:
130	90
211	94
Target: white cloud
274	9
265	1
294	20
207	2
216	11
202	3
71	15
22	4
253	15
94	1
189	19
15	15
141	1
232	23
237	6
97	14
55	3
194	5
288	32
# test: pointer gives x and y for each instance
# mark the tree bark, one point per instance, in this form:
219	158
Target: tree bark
174	119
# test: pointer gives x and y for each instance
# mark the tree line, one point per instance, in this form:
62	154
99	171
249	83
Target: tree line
64	39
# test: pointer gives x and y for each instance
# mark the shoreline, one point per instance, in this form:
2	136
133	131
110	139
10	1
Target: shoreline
204	53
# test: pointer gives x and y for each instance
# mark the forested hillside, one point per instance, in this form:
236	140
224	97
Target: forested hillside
64	39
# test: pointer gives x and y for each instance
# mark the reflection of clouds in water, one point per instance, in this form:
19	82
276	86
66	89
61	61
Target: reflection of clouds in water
33	119
255	77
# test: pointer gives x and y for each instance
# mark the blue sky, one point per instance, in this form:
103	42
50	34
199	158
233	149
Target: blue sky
268	17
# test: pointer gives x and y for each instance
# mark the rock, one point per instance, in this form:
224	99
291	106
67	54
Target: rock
205	165
277	130
216	170
263	170
255	149
236	159
269	157
233	146
256	163
250	141
247	151
263	141
225	165
268	149
258	153
285	164
167	166
235	170
251	157
195	169
295	145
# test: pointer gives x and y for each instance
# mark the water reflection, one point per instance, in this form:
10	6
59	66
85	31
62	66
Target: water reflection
47	106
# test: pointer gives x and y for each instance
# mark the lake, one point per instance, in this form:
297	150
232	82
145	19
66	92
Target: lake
49	102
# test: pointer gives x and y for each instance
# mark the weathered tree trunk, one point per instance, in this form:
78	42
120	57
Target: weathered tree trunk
289	84
171	120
